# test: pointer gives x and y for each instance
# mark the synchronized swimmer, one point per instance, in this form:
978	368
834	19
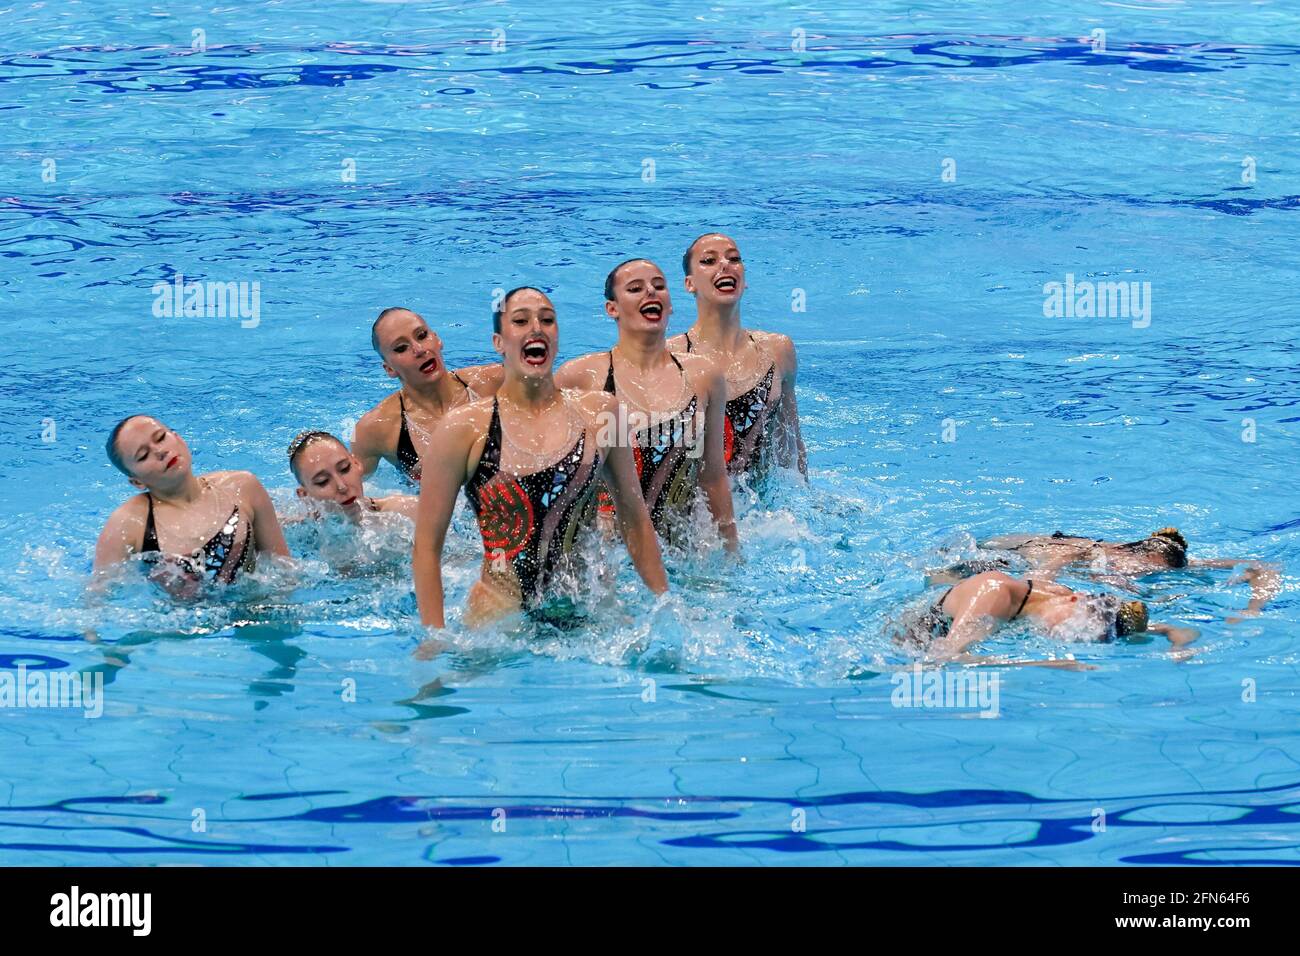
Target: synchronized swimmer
628	440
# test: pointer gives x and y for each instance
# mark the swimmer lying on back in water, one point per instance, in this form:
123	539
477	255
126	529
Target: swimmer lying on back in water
975	608
1113	561
327	471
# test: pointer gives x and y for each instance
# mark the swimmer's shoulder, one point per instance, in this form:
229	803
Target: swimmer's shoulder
240	482
595	405
380	425
467	421
585	373
702	372
483	379
780	346
677	343
133	511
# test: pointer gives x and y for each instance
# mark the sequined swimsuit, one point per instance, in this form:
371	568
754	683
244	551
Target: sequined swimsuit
663	461
219	557
408	459
746	437
530	520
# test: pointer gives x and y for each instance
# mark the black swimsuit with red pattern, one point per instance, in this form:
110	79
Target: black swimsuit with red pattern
746	437
531	520
664	462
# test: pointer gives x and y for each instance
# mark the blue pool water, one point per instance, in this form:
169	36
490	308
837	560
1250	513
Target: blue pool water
707	729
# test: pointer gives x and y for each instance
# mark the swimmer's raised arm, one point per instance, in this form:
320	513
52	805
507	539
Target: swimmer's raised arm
442	478
713	467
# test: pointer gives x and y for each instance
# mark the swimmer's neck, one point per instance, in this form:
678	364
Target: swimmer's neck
435	397
530	394
644	351
717	326
187	492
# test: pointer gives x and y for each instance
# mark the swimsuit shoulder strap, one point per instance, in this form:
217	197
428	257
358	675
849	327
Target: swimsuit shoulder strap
150	540
688	341
609	376
675	362
456	376
492	449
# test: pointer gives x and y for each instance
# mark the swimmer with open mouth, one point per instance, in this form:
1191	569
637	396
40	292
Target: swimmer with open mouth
762	420
678	403
397	430
529	460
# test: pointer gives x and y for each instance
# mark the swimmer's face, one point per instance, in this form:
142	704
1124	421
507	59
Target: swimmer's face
328	472
717	275
411	350
530	335
641	299
152	452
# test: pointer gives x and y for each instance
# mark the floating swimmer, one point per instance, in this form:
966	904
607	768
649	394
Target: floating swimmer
1113	561
675	406
326	471
762	422
972	610
398	428
193	529
529	461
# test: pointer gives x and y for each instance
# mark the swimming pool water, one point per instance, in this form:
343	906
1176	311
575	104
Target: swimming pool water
748	720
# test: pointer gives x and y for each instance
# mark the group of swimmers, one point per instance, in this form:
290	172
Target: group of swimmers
626	440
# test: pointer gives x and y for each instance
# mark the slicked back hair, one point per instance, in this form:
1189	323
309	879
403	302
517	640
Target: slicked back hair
499	312
609	279
686	256
110	446
374	329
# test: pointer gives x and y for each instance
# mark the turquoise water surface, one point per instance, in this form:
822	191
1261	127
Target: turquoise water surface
915	175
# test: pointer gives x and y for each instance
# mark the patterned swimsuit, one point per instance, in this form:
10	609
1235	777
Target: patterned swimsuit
664	463
219	558
408	458
529	522
745	444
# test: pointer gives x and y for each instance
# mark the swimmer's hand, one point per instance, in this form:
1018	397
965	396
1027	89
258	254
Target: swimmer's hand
1178	636
430	648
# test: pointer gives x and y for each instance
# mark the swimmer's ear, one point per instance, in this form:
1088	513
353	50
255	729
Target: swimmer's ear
611	309
301	493
497	345
137	483
690	285
389	369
